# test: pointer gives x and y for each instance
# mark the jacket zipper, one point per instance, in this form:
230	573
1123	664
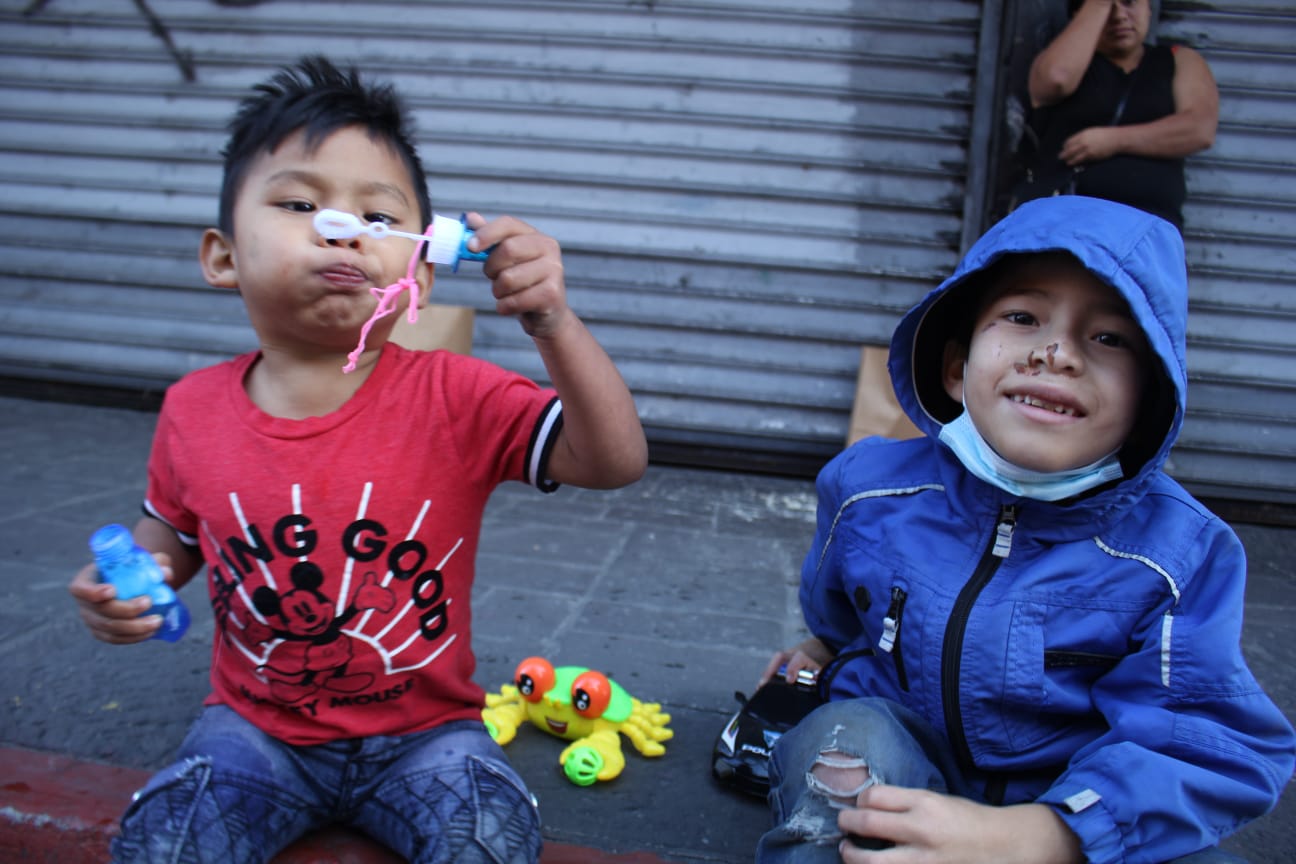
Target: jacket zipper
1079	660
952	651
890	641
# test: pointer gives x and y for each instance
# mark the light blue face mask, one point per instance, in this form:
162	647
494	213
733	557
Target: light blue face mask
961	436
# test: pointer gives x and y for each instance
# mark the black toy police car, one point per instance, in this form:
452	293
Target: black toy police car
741	755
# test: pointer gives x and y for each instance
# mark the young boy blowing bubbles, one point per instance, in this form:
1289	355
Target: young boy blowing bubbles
1027	632
338	514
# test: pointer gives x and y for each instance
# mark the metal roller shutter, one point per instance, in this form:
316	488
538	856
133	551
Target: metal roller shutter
1240	438
745	191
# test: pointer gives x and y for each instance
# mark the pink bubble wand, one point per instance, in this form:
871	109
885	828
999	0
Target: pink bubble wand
447	243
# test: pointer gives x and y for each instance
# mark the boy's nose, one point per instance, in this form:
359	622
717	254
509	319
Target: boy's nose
1054	355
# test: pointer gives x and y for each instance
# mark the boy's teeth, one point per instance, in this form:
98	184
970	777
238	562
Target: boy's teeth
1039	403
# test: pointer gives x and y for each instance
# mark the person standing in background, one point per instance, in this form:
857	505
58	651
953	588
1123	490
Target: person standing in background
1113	117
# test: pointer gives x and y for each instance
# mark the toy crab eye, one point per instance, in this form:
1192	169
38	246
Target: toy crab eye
591	693
534	678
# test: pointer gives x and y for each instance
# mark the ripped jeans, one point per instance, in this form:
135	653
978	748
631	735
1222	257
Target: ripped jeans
836	752
234	794
821	765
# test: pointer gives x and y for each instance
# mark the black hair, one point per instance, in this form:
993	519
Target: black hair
316	97
949	321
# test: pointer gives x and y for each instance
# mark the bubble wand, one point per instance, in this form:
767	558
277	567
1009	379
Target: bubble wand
447	243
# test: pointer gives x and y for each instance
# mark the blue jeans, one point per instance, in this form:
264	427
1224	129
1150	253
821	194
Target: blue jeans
815	772
235	795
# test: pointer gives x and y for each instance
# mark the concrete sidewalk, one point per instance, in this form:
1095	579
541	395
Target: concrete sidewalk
679	586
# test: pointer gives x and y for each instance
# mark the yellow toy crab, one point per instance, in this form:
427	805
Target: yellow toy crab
582	706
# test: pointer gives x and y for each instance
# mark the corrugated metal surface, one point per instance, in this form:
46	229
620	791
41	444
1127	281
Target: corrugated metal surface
745	191
1240	221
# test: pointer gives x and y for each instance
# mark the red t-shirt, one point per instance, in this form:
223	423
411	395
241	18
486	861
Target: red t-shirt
340	549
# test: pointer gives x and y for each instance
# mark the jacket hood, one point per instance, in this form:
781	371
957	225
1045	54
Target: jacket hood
1140	255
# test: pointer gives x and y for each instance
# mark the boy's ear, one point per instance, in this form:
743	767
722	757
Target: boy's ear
216	255
425	275
952	363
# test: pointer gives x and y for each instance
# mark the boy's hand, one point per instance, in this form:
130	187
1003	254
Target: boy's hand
109	619
526	272
932	828
810	654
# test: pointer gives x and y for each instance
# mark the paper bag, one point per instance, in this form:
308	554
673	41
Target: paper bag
448	327
876	411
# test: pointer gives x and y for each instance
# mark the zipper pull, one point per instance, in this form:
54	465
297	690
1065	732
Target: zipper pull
891	623
1004	531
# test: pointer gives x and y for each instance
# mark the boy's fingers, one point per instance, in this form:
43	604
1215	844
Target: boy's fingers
91	592
862	823
110	618
523	276
121	611
495	231
98	601
518	250
799	662
771	668
123	631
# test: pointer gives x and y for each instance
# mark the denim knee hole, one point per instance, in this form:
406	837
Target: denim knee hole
840	777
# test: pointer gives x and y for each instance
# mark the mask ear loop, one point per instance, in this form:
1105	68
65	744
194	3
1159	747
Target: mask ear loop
387	298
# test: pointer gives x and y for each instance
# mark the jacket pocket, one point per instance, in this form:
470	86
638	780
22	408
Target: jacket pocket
1055	655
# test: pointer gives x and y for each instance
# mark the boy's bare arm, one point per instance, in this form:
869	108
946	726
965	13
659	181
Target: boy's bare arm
159	537
602	443
930	827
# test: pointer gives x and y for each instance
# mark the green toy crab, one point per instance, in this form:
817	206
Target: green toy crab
582	706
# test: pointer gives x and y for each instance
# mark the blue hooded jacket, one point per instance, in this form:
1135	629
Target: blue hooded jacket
1083	654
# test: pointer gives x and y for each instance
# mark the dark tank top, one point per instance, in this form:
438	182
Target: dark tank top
1151	184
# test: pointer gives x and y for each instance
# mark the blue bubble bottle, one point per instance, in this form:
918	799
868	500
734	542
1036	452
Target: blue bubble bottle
132	570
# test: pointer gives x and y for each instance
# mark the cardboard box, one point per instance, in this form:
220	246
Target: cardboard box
876	411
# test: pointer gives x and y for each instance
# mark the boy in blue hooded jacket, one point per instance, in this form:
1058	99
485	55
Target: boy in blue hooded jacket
1027	632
